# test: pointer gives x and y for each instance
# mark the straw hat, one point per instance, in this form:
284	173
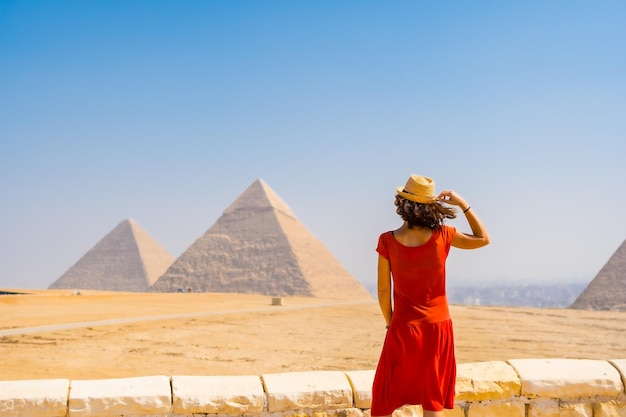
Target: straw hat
419	189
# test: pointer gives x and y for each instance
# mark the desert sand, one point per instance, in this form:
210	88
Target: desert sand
109	335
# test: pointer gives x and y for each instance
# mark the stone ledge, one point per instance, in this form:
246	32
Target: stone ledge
556	408
512	408
43	398
520	387
118	397
218	394
620	365
361	382
568	378
315	390
610	409
481	381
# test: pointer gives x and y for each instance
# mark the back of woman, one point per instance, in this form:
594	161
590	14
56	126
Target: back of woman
417	363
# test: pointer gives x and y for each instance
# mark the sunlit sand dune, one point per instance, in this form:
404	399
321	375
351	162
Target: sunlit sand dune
107	335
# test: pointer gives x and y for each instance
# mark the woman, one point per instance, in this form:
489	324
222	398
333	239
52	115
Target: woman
417	363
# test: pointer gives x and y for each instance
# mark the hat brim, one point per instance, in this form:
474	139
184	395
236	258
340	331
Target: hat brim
416	198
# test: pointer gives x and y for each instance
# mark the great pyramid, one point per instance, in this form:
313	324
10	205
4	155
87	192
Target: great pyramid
126	259
258	246
607	291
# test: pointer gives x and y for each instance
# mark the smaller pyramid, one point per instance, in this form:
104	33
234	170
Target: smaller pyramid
126	259
607	291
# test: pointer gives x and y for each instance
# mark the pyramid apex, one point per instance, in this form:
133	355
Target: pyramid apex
259	196
132	223
128	221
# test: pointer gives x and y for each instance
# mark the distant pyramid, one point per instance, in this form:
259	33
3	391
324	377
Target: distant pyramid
127	259
258	246
607	291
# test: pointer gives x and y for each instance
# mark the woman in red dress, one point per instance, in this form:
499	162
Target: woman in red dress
417	363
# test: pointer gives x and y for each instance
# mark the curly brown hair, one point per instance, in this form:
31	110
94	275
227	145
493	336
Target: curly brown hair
415	214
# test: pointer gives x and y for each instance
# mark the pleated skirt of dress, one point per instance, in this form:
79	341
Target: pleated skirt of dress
417	366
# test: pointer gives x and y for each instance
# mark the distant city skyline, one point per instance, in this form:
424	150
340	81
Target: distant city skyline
165	112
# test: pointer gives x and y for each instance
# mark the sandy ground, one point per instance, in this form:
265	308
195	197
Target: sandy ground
227	334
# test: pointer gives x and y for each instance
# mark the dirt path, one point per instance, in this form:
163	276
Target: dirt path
128	320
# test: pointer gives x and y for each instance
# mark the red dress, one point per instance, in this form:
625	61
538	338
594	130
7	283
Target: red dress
417	363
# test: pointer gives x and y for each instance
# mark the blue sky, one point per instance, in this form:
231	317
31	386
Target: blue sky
166	111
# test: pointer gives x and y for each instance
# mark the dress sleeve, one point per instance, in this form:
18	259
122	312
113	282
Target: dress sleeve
382	246
449	232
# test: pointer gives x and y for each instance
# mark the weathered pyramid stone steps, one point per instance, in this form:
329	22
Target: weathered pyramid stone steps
516	388
126	259
607	290
258	246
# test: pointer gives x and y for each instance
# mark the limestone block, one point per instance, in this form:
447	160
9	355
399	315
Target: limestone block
555	408
480	381
357	412
457	411
41	398
567	378
344	412
139	396
620	364
218	394
361	382
497	409
610	409
408	411
307	390
417	411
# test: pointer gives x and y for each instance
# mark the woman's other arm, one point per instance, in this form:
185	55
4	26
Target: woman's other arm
479	236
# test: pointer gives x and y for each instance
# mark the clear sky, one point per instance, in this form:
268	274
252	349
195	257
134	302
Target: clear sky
166	111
